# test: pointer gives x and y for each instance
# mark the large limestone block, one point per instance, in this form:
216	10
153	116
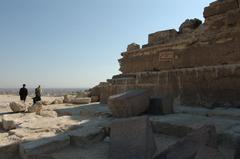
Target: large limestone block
58	101
191	145
8	123
85	100
18	107
32	149
11	121
68	98
128	104
132	138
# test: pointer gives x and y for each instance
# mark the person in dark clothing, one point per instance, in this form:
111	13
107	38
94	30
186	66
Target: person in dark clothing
38	92
23	93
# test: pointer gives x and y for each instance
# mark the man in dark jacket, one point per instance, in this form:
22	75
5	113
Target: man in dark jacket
23	93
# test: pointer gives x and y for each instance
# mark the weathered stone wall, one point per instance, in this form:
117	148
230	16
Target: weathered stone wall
200	86
200	64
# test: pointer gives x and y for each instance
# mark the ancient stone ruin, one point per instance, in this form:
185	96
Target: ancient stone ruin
199	65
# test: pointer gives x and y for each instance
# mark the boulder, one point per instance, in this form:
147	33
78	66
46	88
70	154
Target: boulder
132	138
58	101
18	107
191	146
8	123
68	98
48	113
46	102
35	108
85	100
129	104
189	25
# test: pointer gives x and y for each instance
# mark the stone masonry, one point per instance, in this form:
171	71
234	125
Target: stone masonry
199	64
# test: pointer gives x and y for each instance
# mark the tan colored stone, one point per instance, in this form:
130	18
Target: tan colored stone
58	101
85	100
48	113
36	108
18	106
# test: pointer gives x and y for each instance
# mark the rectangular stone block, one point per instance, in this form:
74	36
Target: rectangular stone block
129	104
32	149
162	36
132	138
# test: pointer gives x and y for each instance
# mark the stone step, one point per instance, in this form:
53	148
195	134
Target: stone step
95	151
180	125
229	113
101	149
32	149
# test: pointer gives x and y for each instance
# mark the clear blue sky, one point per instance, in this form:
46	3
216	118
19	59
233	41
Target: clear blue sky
76	43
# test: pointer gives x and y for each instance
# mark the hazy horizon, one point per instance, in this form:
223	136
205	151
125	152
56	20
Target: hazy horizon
77	43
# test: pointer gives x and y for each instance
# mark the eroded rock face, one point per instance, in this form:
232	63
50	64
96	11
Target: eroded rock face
18	107
129	104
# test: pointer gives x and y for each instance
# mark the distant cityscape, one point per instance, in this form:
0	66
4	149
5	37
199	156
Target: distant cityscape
46	91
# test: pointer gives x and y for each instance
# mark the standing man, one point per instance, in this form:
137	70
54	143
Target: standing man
23	93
